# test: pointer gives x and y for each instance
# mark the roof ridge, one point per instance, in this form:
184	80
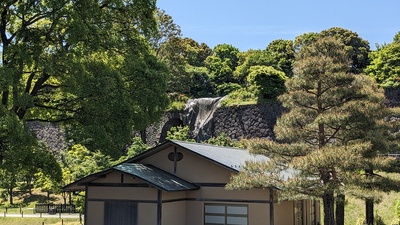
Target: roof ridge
207	144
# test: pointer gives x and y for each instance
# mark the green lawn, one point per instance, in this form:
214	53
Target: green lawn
355	209
37	221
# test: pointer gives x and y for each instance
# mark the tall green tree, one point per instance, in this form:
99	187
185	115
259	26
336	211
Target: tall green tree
166	30
356	48
396	38
222	64
331	134
385	65
86	64
304	40
21	156
185	59
79	162
249	59
283	53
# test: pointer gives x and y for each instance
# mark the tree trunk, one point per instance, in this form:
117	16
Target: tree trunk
340	200
64	196
143	136
10	196
369	203
329	209
369	211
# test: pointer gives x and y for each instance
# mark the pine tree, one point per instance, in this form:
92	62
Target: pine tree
331	135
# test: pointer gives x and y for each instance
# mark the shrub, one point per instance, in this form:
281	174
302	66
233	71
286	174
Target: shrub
266	82
226	88
240	97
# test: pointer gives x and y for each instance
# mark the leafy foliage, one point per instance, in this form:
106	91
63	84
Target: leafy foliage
221	65
249	59
266	82
283	53
79	162
356	48
385	65
134	149
181	133
333	130
21	156
184	57
396	38
240	97
166	31
83	64
224	140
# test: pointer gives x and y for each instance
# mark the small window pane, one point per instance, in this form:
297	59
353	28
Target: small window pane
238	210
220	209
215	219
237	220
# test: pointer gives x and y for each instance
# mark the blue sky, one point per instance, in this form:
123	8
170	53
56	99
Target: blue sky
253	24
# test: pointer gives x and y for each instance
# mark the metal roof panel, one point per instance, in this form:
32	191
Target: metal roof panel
233	158
156	177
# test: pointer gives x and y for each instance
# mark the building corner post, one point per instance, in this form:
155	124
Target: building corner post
271	207
86	206
159	207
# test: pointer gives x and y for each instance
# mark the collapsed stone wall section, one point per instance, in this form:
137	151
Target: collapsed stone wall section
237	122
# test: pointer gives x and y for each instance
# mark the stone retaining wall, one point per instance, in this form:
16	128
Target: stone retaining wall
237	122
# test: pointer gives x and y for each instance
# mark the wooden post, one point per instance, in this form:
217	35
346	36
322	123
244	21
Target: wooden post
271	206
369	208
86	204
159	207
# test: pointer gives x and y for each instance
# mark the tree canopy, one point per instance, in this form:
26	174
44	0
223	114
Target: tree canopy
385	65
86	64
333	130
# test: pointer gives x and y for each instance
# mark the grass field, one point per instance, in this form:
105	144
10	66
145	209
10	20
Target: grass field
355	209
24	202
38	221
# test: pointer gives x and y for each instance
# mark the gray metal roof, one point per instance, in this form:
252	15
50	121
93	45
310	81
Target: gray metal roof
156	177
233	158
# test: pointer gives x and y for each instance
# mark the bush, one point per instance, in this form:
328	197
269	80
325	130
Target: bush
377	221
177	101
397	207
180	133
240	97
266	82
226	88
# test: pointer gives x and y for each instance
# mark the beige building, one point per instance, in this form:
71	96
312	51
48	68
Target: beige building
182	183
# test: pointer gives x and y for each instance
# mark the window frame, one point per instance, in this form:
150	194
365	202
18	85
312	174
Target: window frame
225	214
